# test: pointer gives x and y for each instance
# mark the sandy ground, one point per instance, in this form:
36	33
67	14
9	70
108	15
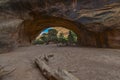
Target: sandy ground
84	63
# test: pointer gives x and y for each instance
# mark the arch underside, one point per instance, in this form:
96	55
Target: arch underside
32	27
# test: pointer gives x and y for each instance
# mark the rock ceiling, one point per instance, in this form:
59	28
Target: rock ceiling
82	11
96	22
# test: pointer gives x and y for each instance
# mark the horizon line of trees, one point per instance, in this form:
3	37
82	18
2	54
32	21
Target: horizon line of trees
53	37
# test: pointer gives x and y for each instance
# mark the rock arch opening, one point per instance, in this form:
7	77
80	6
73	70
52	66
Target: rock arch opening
86	35
32	27
56	35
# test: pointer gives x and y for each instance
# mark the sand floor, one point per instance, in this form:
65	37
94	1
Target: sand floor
84	63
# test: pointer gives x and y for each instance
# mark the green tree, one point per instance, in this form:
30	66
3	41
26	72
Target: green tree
52	35
44	38
72	37
61	38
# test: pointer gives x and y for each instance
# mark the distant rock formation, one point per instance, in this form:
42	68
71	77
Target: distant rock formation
62	30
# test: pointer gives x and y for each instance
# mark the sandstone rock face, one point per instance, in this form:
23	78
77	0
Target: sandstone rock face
96	22
8	34
62	30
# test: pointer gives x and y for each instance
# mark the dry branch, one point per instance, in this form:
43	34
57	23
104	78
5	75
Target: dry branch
49	74
3	72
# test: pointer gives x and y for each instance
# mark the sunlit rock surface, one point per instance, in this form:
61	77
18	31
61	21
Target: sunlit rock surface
98	20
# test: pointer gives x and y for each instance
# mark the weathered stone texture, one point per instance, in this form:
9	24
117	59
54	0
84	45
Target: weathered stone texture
96	22
114	38
8	34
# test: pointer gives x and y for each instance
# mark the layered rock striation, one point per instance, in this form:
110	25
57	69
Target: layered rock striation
96	22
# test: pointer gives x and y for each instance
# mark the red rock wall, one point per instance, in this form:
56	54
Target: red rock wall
114	38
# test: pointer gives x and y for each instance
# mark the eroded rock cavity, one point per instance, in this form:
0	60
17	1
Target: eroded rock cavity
96	22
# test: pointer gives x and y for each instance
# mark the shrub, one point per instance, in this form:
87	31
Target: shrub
38	42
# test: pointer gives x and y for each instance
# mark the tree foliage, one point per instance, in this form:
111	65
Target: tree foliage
44	38
52	35
62	39
72	37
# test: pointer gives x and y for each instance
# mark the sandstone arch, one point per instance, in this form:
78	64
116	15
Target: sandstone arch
94	35
32	27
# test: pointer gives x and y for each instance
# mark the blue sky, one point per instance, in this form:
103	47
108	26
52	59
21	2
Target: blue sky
45	31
